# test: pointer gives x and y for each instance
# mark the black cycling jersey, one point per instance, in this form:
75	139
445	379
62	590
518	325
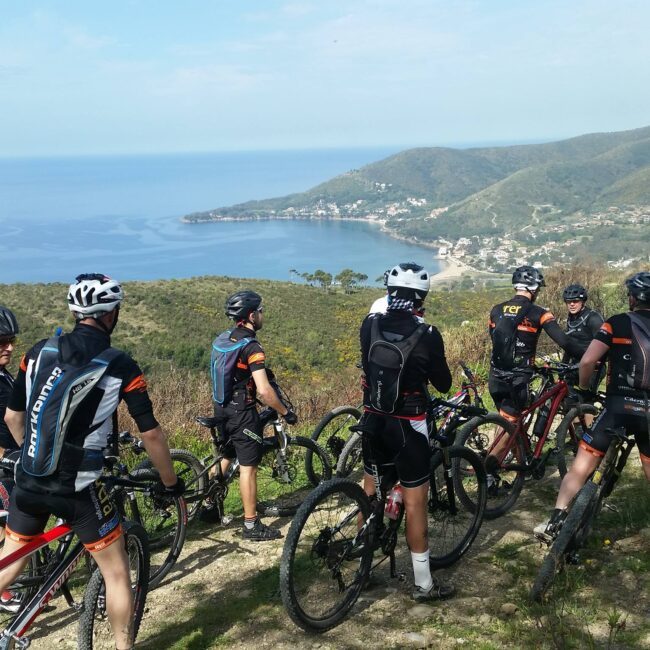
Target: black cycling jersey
6	386
616	333
528	331
582	328
122	380
427	362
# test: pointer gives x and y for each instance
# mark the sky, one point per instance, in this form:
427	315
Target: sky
152	76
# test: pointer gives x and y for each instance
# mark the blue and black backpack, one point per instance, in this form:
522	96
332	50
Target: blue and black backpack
225	353
57	391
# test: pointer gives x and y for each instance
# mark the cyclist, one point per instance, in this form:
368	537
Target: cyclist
582	325
400	438
515	327
625	405
8	446
240	422
71	490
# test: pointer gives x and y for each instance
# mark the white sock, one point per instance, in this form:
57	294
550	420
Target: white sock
421	570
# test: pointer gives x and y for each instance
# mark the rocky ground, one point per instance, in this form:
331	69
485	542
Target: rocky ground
224	592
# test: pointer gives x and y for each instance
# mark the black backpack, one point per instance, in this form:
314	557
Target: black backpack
58	389
639	376
504	339
386	361
222	365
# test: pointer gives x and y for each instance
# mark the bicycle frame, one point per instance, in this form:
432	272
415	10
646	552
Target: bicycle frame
556	394
56	579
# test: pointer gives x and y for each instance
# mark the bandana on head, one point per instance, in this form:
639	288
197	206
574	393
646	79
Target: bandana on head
400	304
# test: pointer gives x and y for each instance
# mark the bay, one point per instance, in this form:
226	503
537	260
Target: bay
121	216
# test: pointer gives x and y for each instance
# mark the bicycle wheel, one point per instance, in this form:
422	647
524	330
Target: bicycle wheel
569	434
505	486
332	433
165	521
188	467
578	518
324	562
452	525
350	463
93	622
282	481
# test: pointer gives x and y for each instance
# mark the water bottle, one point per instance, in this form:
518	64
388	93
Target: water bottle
394	502
540	422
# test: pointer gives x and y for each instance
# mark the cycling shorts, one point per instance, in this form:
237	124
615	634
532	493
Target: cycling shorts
242	431
397	445
90	513
618	412
510	391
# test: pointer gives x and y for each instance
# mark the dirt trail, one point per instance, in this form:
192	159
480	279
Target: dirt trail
224	591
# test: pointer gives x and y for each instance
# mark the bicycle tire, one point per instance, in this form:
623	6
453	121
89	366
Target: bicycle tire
93	620
350	463
282	483
318	584
554	559
453	526
569	435
332	433
165	522
188	467
505	495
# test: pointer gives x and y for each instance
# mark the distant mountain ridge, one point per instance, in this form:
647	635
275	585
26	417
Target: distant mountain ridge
442	195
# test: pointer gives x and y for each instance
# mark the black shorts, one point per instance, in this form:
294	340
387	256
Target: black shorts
90	513
243	433
618	412
510	391
397	445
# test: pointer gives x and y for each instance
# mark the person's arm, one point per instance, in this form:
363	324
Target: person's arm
266	392
439	374
595	352
567	343
155	443
15	420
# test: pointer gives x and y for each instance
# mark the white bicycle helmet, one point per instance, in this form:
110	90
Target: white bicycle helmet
408	280
93	294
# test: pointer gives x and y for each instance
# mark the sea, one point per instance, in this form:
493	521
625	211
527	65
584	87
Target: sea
120	215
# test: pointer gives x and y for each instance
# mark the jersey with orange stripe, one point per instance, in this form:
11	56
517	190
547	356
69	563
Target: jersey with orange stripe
86	435
536	319
616	333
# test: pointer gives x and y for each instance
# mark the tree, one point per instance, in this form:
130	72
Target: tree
323	278
292	272
349	278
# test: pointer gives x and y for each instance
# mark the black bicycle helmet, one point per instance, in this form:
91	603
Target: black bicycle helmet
528	277
639	286
241	304
575	292
8	322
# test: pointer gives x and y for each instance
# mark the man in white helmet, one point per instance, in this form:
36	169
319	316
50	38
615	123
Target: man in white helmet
395	407
71	386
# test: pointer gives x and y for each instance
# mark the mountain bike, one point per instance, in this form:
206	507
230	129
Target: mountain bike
349	460
524	452
163	517
50	569
328	552
583	510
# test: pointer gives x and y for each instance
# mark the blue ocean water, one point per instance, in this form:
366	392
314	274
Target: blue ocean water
121	215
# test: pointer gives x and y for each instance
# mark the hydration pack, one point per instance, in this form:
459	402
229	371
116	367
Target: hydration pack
222	365
639	376
386	361
504	338
57	391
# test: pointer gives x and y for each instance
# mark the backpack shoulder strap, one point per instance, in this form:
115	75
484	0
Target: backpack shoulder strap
639	322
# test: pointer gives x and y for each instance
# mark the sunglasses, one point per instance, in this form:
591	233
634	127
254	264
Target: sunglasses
7	340
572	302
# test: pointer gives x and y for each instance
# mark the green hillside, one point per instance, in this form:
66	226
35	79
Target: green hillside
525	193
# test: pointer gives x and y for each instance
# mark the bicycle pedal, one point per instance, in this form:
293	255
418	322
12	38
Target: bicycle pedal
226	519
611	507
